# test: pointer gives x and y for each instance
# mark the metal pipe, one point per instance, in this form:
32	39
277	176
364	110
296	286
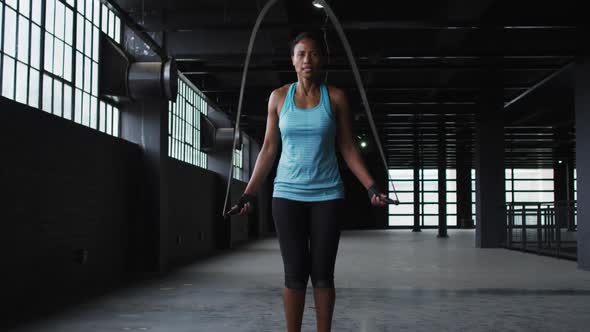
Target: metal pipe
523	227
539	230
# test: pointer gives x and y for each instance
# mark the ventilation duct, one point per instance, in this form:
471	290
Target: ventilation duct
122	79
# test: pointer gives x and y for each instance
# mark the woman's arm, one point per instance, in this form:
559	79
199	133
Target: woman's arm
346	143
267	154
348	148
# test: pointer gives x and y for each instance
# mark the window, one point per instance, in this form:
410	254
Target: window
402	214
238	164
429	197
91	17
529	185
522	185
576	195
451	197
20	28
49	59
473	197
184	124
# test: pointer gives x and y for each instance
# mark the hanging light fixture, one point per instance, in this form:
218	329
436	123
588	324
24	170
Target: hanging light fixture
318	3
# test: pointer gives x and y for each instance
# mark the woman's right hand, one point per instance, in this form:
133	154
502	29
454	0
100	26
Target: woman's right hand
246	209
247	204
379	199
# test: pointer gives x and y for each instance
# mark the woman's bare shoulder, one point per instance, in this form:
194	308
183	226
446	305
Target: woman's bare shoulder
336	93
281	92
337	98
277	98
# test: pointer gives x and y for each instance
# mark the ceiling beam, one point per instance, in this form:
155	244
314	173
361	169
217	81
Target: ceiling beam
234	91
343	69
198	53
194	25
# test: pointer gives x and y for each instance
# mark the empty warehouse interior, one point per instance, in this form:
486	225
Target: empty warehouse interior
119	150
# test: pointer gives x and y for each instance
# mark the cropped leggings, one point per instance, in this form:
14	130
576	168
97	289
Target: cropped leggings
308	234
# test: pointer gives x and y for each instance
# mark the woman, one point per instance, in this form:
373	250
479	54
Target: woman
308	191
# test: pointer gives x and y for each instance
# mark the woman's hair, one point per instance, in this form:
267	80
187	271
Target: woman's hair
308	35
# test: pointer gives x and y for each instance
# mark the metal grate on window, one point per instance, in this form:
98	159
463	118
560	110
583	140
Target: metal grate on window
184	124
238	168
49	58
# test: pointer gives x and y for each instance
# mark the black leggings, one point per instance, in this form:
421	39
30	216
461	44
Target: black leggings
308	234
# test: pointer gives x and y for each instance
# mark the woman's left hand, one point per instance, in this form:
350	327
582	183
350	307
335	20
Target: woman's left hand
379	201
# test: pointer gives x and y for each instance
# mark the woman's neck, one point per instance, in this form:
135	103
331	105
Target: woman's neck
307	87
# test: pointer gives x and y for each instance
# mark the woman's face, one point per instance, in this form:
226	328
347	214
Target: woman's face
306	58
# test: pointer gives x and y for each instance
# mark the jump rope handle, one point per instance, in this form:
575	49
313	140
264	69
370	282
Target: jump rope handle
234	210
390	201
245	198
374	190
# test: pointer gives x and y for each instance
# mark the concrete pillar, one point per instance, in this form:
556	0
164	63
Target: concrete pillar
564	178
489	163
464	218
582	104
571	224
442	179
559	177
146	124
416	227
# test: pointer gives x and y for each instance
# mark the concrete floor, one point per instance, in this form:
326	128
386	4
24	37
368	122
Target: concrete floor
388	280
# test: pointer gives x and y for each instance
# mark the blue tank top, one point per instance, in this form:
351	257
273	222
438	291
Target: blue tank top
308	168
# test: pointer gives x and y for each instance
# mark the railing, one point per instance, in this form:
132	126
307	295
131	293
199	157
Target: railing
543	228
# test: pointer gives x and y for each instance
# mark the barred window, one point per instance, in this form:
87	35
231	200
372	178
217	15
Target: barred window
403	214
49	58
529	185
429	197
184	124
451	197
473	196
238	168
522	185
575	195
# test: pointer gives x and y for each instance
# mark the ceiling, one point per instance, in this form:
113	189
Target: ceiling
423	64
